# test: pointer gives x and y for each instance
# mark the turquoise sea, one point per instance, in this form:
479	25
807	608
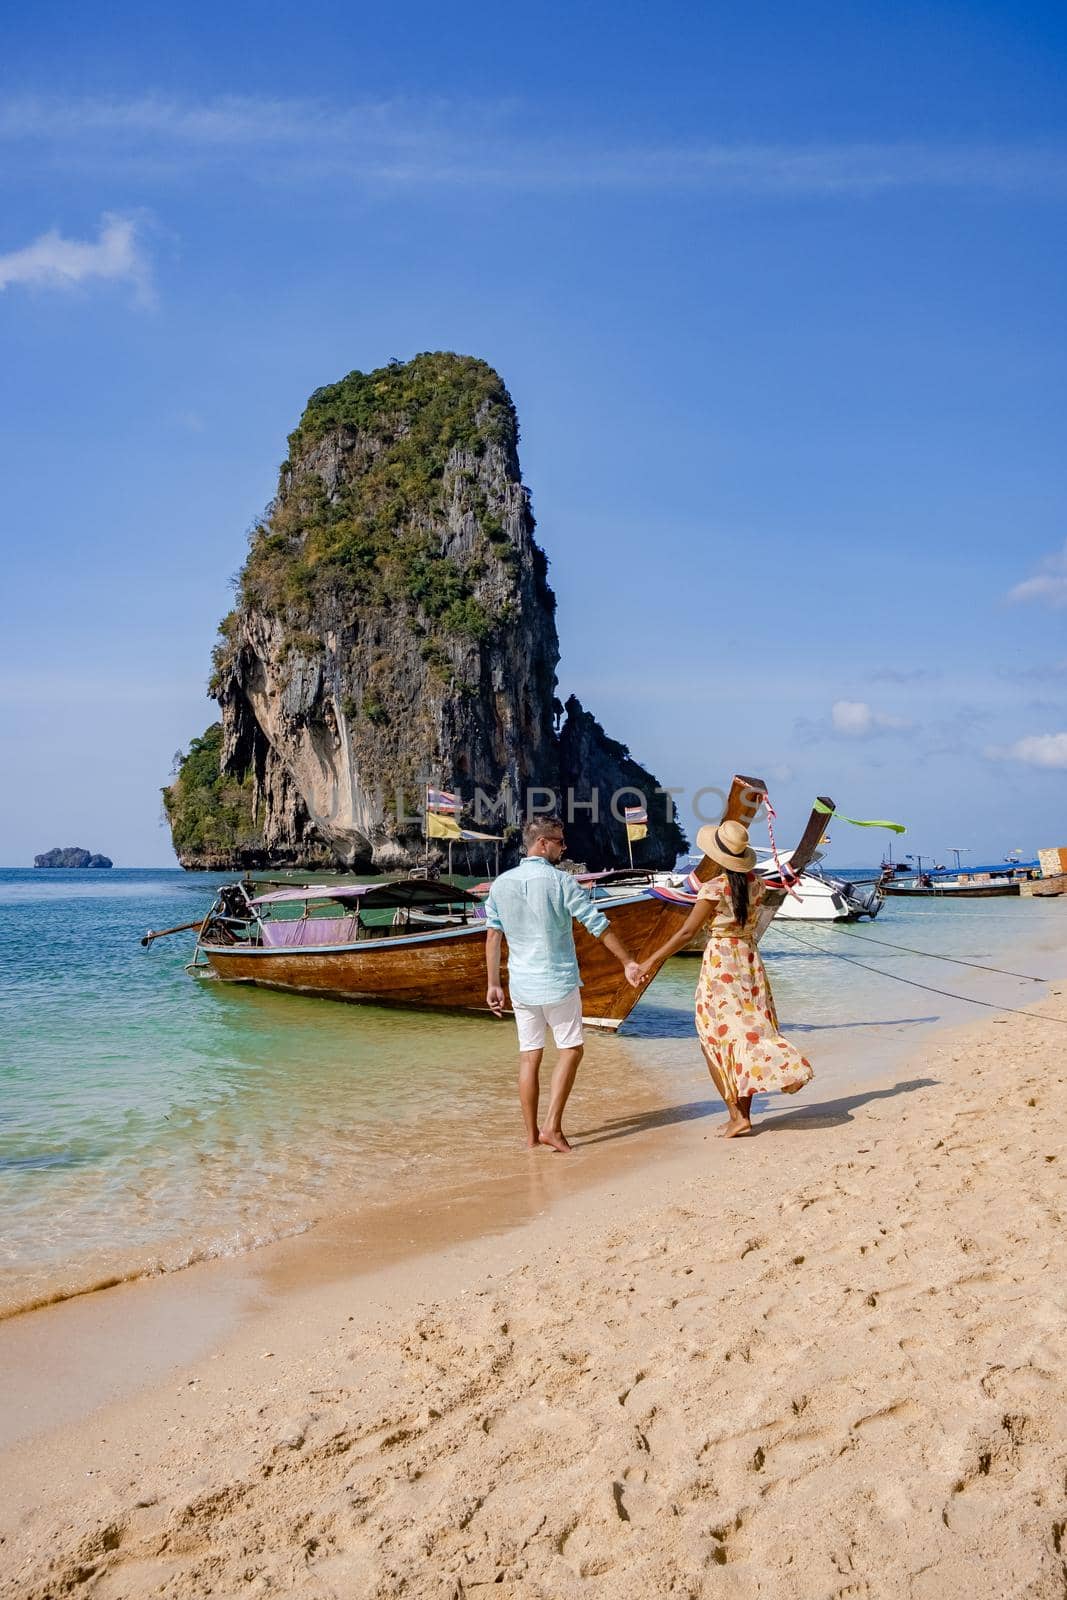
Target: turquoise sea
149	1119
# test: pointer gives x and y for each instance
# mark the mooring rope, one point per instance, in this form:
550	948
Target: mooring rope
866	938
992	1005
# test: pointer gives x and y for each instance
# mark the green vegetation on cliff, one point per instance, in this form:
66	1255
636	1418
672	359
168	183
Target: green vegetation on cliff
431	404
371	534
209	811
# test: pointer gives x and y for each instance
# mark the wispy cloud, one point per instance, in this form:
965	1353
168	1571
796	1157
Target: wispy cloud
1049	585
850	720
855	719
54	262
908	675
1042	671
1036	750
401	143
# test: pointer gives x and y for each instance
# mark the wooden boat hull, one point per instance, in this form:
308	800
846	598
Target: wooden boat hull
972	892
444	969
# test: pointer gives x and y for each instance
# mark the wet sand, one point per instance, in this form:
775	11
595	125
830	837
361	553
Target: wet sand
638	1103
825	1361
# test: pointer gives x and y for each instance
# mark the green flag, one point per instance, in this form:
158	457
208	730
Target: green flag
894	827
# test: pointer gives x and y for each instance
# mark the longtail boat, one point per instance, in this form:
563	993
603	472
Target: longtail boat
991	880
403	960
954	891
417	942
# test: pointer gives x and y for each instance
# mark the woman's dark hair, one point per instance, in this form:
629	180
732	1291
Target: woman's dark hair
738	882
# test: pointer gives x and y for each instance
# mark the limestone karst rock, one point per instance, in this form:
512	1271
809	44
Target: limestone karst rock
71	856
394	627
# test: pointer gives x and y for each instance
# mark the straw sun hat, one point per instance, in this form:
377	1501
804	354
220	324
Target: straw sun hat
727	843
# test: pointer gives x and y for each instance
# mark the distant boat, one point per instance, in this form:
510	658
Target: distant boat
951	890
996	879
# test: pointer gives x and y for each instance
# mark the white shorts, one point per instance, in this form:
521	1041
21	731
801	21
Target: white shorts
564	1017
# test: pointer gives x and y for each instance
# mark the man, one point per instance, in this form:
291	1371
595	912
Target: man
533	906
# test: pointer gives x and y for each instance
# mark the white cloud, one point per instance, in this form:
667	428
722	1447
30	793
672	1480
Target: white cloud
1036	750
53	262
490	144
1049	585
855	719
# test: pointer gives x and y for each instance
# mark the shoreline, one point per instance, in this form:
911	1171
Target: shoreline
154	1310
355	1241
267	1339
651	1067
632	1080
618	1143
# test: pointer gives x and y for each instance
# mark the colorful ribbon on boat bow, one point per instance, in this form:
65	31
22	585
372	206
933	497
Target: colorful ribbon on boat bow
787	877
828	811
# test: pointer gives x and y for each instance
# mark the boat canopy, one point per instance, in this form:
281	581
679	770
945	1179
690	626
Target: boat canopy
404	892
611	875
1000	869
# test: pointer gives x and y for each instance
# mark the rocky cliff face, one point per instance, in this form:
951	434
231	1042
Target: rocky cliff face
394	627
592	764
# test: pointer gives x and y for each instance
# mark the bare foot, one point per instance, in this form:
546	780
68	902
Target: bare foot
533	1140
555	1140
734	1130
737	1120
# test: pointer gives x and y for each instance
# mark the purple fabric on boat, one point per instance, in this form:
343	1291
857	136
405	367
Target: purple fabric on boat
310	931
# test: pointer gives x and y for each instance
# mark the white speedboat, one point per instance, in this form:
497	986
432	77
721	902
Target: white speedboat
818	897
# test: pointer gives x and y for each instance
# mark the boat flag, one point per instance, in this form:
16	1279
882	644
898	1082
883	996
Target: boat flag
441	826
828	811
636	818
442	800
636	822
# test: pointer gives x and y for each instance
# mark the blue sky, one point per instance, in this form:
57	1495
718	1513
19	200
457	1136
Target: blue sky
778	292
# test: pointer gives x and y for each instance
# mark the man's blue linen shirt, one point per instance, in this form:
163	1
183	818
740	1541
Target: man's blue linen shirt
533	906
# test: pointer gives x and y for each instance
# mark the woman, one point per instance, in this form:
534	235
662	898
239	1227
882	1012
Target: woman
735	1015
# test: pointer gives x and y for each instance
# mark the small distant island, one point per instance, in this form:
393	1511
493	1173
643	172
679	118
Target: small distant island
71	857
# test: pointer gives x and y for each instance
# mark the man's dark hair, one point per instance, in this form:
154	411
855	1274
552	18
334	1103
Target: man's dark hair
540	828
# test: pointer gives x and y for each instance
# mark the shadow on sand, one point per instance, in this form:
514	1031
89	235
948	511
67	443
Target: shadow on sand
872	1022
825	1114
832	1113
650	1021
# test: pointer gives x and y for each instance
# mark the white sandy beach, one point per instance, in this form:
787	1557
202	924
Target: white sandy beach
826	1361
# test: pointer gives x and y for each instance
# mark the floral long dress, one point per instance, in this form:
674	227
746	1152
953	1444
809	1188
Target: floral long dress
735	1015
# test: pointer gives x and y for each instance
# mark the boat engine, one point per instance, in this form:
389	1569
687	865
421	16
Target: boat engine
863	900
